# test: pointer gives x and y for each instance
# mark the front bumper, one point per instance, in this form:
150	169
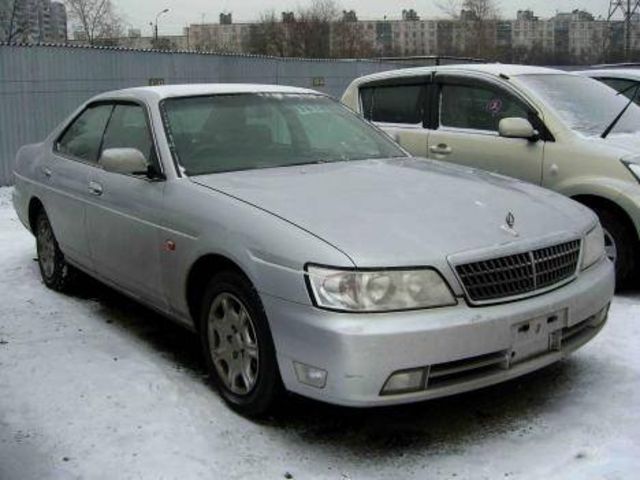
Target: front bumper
461	348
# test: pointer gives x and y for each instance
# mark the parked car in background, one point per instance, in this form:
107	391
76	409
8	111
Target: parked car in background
545	126
309	251
622	80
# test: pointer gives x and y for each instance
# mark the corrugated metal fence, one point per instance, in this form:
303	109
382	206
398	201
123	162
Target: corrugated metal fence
41	85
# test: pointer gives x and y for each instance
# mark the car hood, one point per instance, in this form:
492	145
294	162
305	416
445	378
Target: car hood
405	212
627	144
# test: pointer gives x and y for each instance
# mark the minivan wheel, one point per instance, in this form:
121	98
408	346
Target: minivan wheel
56	273
620	244
238	347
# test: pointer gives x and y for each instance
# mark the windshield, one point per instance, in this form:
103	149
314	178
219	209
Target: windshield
586	105
222	133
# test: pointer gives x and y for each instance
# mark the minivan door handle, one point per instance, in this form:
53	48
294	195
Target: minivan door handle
95	189
441	149
46	171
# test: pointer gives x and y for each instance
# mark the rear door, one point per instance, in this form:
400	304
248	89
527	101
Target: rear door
398	107
66	173
465	128
124	219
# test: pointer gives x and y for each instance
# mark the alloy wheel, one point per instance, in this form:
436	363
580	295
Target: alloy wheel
46	248
610	247
233	344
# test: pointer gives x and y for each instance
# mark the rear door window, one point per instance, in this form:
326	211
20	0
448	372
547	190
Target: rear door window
402	104
477	107
83	137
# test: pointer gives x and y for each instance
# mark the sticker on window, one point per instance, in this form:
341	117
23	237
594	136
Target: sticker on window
494	107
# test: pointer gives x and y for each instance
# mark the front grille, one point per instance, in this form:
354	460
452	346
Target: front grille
520	274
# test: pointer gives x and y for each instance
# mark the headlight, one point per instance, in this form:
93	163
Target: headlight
377	291
634	168
593	247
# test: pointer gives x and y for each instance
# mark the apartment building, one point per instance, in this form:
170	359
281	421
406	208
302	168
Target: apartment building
33	21
224	36
576	34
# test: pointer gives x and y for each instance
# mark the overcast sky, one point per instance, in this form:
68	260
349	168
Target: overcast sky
138	13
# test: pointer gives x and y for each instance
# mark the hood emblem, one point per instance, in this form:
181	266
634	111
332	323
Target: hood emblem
510	222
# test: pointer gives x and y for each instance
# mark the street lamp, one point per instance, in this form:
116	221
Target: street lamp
155	29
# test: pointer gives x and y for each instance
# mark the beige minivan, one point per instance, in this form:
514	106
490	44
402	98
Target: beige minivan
560	130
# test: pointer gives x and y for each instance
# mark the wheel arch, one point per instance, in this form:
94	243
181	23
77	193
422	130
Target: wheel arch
35	207
597	201
198	279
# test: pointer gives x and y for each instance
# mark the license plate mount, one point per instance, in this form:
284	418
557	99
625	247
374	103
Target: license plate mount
537	336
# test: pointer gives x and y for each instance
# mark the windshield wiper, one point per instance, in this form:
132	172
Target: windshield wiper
613	124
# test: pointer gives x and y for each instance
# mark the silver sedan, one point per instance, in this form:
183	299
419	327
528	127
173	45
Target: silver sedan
310	252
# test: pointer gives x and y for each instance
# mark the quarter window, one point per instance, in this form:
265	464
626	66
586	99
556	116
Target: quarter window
394	104
621	85
477	108
128	129
82	138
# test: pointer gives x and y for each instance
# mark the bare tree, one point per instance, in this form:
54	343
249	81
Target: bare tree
479	19
11	29
97	18
270	36
311	30
305	33
349	40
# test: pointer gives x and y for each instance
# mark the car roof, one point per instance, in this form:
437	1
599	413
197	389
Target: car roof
193	90
495	69
628	73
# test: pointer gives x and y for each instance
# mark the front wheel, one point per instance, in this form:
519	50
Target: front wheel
56	273
620	244
238	347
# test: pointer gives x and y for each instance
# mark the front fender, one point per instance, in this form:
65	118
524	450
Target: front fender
624	194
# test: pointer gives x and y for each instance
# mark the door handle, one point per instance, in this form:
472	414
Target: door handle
46	171
441	149
95	189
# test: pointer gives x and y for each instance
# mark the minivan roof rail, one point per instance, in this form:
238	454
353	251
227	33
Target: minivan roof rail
614	65
431	60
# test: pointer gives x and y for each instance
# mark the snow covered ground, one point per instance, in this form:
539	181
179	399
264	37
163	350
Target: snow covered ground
94	386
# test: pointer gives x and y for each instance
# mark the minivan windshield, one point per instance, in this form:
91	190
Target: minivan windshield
586	105
222	133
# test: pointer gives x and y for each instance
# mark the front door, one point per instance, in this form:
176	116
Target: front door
465	129
123	221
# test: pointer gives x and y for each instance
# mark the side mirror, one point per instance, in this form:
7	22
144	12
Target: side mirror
129	161
515	127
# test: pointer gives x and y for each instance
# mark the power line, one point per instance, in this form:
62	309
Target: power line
628	9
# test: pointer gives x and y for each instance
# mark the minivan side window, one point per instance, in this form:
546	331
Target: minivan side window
394	104
128	129
83	137
477	108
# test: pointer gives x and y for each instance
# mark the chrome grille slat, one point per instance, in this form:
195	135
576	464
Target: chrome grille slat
519	274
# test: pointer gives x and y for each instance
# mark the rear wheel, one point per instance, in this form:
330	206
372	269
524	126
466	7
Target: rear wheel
56	273
238	347
620	243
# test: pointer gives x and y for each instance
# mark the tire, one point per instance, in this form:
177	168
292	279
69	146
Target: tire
238	346
620	243
56	273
